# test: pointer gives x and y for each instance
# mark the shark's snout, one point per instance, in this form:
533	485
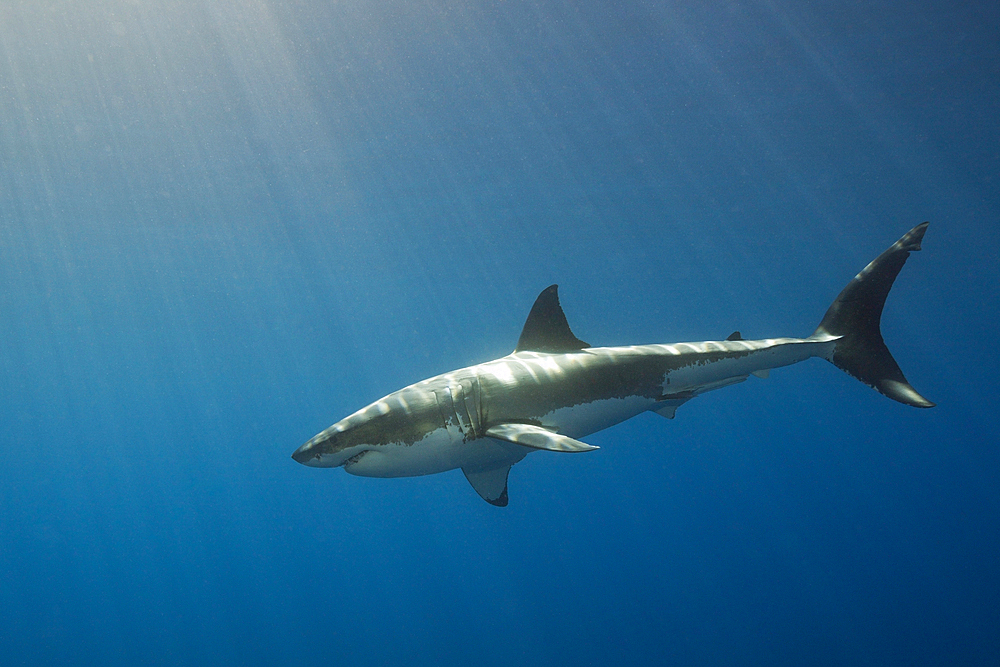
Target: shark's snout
308	454
322	451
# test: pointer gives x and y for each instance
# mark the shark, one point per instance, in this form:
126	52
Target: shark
554	389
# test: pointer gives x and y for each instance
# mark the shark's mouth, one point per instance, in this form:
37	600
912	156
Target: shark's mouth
354	459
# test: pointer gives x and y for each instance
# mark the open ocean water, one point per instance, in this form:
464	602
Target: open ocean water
226	225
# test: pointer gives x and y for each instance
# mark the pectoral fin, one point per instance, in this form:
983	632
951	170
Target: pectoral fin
490	484
537	437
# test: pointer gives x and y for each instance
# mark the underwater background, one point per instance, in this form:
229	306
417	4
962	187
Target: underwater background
226	225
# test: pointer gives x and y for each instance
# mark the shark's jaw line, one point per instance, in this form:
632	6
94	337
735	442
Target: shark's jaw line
554	388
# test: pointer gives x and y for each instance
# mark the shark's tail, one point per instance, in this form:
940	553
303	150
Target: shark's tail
855	315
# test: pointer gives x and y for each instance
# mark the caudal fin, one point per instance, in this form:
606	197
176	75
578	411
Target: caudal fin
855	317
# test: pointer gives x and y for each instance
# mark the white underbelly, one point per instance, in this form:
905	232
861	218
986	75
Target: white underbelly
439	451
581	420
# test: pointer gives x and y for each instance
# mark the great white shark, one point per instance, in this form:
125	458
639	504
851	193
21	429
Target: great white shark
555	389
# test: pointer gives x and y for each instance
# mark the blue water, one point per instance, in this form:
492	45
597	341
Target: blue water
226	225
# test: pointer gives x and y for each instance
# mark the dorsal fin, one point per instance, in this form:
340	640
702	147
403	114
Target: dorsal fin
546	329
735	336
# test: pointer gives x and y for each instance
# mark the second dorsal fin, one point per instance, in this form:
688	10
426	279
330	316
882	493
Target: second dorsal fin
546	329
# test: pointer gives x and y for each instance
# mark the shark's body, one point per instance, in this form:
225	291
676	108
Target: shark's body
554	388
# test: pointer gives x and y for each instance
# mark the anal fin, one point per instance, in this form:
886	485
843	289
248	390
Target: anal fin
667	407
669	411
